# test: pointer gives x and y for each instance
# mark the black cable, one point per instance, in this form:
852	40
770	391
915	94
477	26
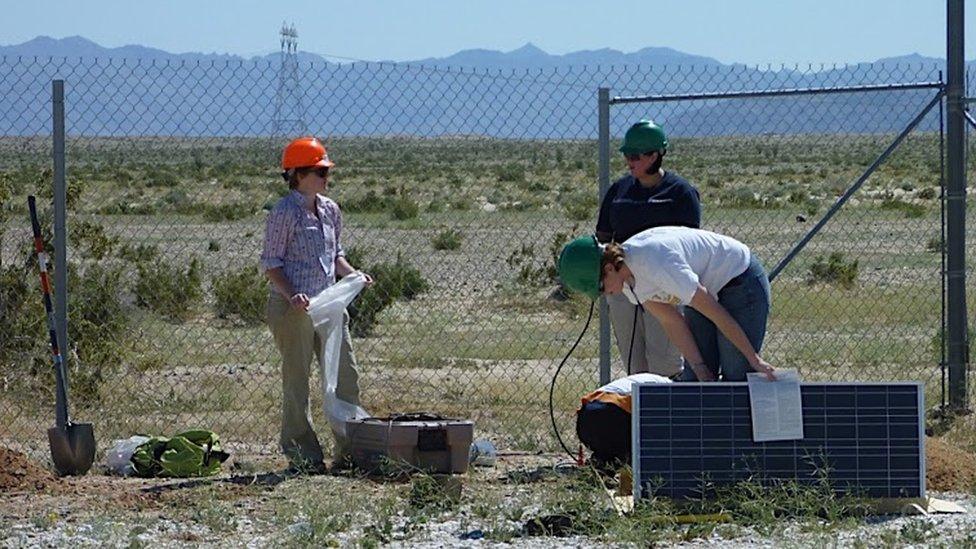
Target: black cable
633	335
552	386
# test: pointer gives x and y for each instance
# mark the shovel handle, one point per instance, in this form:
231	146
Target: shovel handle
42	260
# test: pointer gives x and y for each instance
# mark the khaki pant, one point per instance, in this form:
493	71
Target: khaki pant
653	352
297	341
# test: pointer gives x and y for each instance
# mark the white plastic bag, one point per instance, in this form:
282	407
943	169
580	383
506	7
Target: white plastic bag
326	310
118	457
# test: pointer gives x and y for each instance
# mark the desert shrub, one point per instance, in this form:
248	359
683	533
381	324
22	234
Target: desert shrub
168	290
936	342
449	239
91	239
97	331
402	279
138	253
98	326
6	190
97	323
369	202
910	209
511	172
398	280
227	212
176	200
161	177
538	268
927	193
834	270
581	209
24	354
123	207
462	204
435	206
119	175
455	180
799	196
404	207
241	295
6	199
745	198
41	183
356	256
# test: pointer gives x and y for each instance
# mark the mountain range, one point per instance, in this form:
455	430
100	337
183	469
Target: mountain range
527	56
524	93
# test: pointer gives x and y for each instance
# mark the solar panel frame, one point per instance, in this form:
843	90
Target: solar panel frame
841	404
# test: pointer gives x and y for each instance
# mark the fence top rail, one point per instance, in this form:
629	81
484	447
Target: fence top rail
775	93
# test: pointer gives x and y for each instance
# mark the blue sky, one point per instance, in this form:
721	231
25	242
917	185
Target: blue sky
747	31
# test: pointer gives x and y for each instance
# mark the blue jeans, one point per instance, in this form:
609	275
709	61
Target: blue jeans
747	299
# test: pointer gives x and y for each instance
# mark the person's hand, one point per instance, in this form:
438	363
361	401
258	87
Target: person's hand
702	372
299	301
763	367
369	279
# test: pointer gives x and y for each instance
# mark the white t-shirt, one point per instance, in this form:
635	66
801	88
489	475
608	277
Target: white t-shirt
670	262
624	385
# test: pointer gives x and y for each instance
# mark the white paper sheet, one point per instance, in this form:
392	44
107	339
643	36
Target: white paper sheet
777	411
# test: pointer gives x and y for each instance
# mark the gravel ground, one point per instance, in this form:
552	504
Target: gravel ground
246	507
941	530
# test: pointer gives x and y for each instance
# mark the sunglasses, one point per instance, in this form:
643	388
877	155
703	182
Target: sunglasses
634	157
321	172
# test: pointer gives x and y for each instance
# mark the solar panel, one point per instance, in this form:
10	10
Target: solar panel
865	439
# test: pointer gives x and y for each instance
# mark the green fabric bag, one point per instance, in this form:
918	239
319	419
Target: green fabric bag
194	453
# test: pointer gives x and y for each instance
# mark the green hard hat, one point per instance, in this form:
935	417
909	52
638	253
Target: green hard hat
644	136
579	266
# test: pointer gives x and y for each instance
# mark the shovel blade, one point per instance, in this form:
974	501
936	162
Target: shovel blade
72	448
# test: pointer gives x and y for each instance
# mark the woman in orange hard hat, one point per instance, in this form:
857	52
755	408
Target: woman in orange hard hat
302	256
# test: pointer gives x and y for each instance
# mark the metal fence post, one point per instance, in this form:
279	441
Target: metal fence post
604	177
957	344
60	223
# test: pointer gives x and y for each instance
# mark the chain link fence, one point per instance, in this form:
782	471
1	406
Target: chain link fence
458	188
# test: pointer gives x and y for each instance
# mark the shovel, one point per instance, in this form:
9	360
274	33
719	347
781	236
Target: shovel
72	444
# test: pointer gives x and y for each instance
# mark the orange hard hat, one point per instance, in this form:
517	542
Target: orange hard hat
305	152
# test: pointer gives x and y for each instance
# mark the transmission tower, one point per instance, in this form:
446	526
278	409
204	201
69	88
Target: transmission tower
289	114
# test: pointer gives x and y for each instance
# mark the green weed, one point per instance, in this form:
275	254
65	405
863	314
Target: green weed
917	531
834	270
403	208
909	209
448	239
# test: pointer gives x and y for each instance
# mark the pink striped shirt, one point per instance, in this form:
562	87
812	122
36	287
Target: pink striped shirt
304	244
